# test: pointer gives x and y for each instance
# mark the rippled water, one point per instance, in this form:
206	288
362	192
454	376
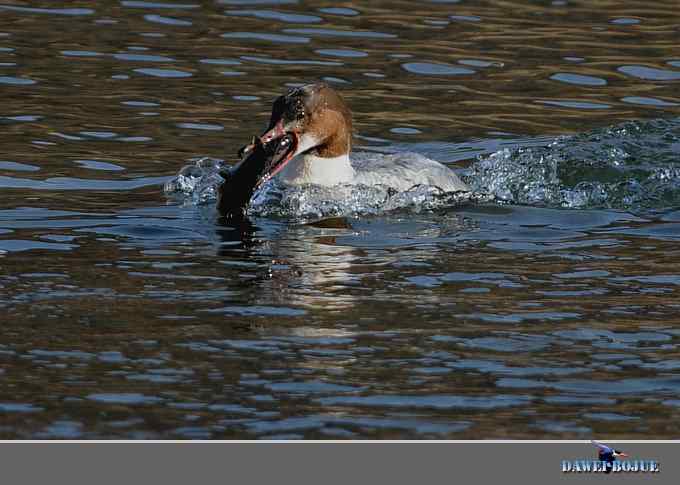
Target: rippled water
545	307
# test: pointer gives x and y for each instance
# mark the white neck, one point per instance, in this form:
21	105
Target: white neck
311	169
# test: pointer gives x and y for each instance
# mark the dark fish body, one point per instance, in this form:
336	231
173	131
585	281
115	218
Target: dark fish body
241	181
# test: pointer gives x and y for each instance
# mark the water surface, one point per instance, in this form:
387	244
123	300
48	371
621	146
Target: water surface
548	310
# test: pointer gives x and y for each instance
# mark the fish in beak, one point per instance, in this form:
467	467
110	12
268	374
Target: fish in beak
282	147
260	161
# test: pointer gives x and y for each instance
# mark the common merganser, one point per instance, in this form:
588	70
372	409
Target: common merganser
310	130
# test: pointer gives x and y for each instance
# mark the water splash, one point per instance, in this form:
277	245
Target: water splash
633	166
197	183
314	202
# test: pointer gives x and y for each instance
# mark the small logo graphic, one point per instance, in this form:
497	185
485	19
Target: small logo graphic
608	455
609	460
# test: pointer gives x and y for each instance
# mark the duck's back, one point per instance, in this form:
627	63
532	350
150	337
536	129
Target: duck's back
402	171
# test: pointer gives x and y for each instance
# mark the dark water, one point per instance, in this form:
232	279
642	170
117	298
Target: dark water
549	311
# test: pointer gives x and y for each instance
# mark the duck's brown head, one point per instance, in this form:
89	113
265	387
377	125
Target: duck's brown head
318	119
